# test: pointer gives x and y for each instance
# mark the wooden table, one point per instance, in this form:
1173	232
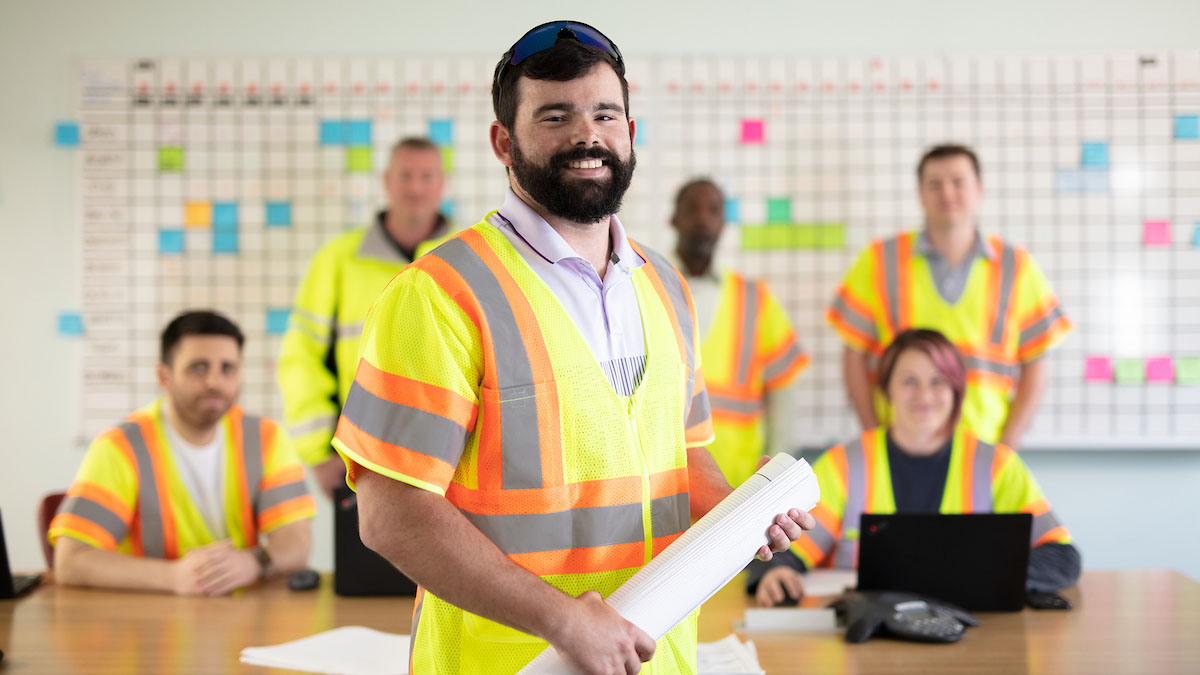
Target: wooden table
1124	622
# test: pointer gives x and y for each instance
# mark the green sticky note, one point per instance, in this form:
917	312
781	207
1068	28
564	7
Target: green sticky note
448	159
1129	371
358	160
793	236
170	159
779	210
1187	370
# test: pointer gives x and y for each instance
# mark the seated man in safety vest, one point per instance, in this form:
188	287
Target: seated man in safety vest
189	495
749	349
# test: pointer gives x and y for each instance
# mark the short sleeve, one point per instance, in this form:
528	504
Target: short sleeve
778	349
415	394
1040	319
100	505
856	308
284	495
1014	490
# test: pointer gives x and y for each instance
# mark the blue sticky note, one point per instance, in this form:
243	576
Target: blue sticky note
447	208
1095	155
66	134
277	320
1068	181
225	242
640	139
279	214
170	242
441	132
224	216
732	211
1196	235
70	323
333	132
358	132
1095	181
1187	127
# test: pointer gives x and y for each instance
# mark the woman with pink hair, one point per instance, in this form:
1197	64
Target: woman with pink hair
920	461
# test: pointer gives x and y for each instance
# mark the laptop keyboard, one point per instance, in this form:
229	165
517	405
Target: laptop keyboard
24	582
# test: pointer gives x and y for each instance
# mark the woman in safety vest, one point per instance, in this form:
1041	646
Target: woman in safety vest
923	461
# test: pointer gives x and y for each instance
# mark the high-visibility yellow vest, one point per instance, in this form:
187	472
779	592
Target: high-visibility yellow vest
474	383
749	349
1006	316
130	497
855	479
320	348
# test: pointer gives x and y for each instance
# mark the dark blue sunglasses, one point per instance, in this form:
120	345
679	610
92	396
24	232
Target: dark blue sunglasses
547	35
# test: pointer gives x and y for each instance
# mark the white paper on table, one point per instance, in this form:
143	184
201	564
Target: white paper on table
727	657
349	650
707	556
829	581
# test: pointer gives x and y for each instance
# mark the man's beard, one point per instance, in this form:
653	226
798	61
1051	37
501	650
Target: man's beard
577	200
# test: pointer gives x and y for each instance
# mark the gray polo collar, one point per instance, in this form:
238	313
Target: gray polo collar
979	247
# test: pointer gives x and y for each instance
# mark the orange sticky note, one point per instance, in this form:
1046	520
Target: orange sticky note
197	214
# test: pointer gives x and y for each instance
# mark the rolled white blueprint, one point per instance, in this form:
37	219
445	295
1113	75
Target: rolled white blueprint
707	556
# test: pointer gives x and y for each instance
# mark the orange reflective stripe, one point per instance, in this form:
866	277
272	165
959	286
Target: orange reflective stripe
104	497
828	519
436	469
237	431
661	543
288	474
903	264
1036	507
988	380
300	506
781	364
417	394
999	460
585	494
73	523
968	474
809	549
583	560
1056	534
170	539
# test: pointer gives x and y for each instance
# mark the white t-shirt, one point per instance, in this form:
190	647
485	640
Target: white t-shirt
203	470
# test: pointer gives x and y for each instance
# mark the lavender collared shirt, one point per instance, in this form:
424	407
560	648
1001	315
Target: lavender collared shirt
604	311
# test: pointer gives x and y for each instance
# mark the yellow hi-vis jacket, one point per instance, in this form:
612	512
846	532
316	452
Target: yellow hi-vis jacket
749	350
855	479
1007	316
129	496
320	347
475	384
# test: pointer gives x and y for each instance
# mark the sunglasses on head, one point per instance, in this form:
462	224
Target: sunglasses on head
547	35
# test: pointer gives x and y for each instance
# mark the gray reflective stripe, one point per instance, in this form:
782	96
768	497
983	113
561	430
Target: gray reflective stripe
981	478
252	457
780	365
412	635
891	276
309	332
1008	274
98	514
1041	525
576	528
699	410
408	427
749	319
326	423
376	245
735	405
350	329
317	321
989	366
856	502
822	537
1039	327
670	515
519	437
674	287
280	494
863	324
149	510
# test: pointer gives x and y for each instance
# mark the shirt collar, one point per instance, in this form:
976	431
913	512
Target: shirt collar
549	244
979	247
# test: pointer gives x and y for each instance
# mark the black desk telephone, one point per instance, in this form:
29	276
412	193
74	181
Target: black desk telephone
903	615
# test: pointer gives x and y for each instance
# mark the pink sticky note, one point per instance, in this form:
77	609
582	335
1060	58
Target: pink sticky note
753	131
1160	369
1156	233
1098	369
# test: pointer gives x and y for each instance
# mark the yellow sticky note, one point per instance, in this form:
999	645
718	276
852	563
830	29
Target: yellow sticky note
170	159
358	160
448	159
197	214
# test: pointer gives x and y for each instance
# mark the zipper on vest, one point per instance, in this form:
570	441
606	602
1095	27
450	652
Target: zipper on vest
647	523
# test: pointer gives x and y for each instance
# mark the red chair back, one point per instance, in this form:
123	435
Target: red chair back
45	514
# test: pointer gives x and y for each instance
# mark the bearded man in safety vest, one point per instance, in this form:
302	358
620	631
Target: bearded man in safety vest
987	296
749	349
189	495
527	422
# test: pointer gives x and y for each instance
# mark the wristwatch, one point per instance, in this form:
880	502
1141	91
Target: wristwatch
264	560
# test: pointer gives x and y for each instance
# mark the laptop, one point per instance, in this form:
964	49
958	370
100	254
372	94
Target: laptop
977	561
357	570
13	586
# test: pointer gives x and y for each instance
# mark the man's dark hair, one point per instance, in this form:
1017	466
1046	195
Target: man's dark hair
693	183
944	151
565	61
202	322
414	143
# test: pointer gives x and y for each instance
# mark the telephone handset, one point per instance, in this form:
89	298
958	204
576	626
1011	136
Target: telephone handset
903	615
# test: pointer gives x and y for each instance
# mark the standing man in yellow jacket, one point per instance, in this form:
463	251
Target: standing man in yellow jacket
181	496
320	348
526	426
988	297
750	354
